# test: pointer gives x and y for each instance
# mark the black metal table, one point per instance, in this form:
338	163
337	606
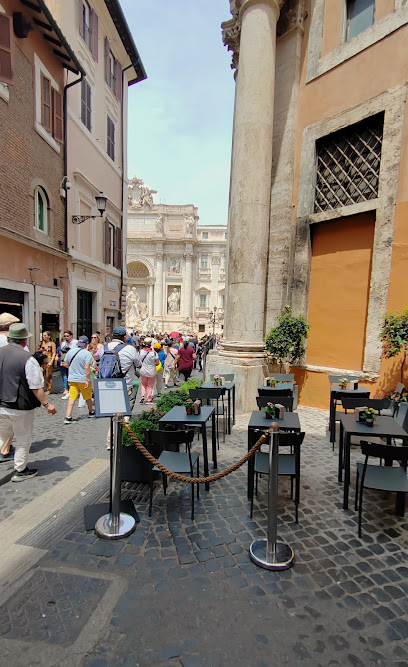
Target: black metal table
384	427
178	417
230	389
290	422
337	394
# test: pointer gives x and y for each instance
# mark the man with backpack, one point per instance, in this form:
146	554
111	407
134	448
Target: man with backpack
120	360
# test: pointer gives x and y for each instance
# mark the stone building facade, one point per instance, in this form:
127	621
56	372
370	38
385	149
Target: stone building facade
175	268
34	261
319	186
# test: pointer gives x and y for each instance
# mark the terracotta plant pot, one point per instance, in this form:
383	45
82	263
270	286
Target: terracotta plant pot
189	411
369	422
268	415
272	384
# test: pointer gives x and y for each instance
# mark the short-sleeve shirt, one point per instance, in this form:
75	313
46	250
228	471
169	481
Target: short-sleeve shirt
76	371
186	358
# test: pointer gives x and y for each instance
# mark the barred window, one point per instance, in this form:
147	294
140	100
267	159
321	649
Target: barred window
348	165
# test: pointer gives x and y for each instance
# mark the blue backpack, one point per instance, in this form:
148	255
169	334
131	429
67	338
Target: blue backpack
109	365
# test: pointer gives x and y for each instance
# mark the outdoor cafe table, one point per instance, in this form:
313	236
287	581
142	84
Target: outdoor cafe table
290	422
384	427
230	387
177	416
337	393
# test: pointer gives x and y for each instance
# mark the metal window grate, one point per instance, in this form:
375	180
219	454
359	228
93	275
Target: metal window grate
348	165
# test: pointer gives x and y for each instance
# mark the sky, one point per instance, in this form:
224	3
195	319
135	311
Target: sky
180	118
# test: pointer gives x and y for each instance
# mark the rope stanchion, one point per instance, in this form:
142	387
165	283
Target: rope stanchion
195	480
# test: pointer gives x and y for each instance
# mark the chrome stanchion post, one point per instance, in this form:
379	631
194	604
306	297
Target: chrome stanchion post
271	554
115	524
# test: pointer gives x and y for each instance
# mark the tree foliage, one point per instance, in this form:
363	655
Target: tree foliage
286	341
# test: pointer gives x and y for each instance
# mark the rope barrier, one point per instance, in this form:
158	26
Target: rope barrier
195	480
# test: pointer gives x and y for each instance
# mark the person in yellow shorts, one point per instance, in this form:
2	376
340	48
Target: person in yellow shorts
79	361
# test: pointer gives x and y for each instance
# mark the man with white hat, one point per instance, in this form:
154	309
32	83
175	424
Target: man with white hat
21	391
6	320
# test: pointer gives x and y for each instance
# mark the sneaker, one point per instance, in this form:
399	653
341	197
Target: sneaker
91	414
64	397
6	457
24	474
141	400
69	420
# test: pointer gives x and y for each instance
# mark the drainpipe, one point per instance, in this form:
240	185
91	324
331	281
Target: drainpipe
123	183
68	85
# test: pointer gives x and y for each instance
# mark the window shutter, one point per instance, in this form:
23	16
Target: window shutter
6	65
107	68
107	242
117	253
46	117
57	117
81	17
118	80
94	33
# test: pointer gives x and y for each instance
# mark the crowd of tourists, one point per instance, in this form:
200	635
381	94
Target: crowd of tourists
153	360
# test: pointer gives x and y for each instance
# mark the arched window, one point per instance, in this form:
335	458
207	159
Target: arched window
41	210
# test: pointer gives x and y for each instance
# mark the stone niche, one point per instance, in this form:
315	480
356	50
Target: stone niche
173	306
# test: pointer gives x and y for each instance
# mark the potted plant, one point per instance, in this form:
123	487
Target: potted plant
272	382
394	336
189	406
343	382
216	380
285	343
369	415
269	411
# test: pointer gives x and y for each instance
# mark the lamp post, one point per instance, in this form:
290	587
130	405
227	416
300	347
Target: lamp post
100	205
215	318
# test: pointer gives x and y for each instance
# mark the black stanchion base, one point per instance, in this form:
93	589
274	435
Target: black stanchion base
282	559
94	512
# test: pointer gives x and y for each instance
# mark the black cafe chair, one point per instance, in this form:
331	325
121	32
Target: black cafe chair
271	391
378	477
286	401
214	396
165	446
288	464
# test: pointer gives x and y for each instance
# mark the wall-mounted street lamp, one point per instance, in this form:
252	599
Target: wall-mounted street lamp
31	269
100	205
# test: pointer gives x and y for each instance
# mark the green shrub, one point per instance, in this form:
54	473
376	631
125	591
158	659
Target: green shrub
191	383
149	419
139	428
168	401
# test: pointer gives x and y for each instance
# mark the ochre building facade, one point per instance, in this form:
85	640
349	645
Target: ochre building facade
319	187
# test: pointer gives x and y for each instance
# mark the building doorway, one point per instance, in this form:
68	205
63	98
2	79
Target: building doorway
84	317
51	322
12	301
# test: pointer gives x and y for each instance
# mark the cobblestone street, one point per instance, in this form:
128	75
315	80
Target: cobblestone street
182	592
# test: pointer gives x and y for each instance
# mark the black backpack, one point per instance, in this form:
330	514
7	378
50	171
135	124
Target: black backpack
109	365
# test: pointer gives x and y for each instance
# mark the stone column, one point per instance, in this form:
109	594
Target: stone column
158	293
187	285
250	195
